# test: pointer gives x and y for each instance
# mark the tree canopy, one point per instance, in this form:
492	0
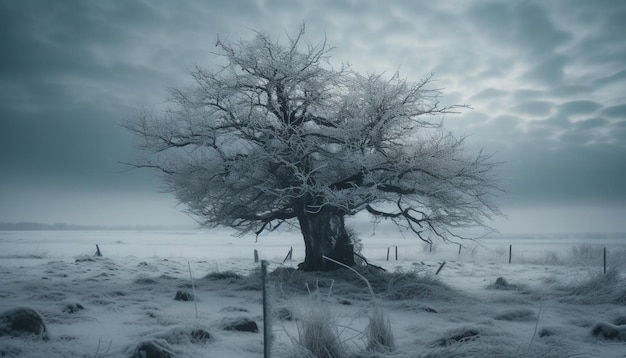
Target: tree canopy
278	134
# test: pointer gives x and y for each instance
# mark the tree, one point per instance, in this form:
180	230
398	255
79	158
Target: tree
277	135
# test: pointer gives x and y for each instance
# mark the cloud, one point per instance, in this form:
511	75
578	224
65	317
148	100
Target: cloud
567	91
561	132
545	130
496	132
536	30
548	71
487	94
618	111
534	108
78	146
618	131
525	26
605	20
591	123
615	77
557	160
576	137
578	107
53	204
527	94
571	174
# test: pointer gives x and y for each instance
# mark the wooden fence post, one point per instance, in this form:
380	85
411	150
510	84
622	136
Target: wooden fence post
440	267
98	253
604	259
289	255
388	253
256	255
510	252
396	253
267	329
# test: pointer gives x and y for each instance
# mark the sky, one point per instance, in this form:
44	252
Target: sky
546	82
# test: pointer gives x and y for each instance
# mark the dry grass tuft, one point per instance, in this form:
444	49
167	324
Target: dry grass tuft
378	333
411	286
225	275
318	335
600	288
388	285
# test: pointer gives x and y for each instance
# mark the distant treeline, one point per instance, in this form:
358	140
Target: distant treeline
32	226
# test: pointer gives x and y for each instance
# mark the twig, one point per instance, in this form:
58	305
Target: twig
532	339
97	354
355	271
367	263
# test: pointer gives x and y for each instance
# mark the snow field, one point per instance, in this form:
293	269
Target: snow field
555	294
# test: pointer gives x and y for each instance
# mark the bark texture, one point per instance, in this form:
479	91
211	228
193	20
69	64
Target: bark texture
325	235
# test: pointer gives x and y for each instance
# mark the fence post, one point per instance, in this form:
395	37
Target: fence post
388	253
440	267
289	255
604	259
267	331
256	255
396	253
510	252
98	253
460	250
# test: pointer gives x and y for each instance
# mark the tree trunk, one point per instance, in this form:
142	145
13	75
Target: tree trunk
325	235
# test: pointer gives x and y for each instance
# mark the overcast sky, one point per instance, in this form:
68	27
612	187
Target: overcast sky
546	81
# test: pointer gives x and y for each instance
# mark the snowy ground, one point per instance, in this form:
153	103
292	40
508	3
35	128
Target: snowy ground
556	294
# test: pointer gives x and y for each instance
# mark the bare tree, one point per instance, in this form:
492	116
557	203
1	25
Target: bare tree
277	135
